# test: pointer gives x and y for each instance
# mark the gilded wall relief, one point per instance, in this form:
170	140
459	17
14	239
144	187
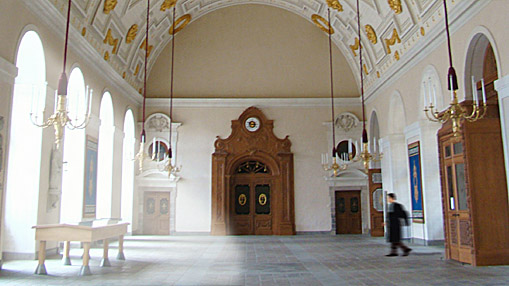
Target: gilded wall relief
395	6
131	34
371	34
111	41
168	4
392	40
144	47
334	4
355	47
323	24
109	5
180	24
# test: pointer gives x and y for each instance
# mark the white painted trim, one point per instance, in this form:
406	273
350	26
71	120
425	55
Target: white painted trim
244	102
502	87
8	71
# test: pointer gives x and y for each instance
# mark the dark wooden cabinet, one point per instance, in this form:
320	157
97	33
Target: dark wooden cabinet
376	199
474	193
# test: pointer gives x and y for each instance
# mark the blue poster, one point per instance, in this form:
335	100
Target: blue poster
414	159
89	208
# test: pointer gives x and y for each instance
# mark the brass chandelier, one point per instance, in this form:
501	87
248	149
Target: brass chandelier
365	155
60	119
456	112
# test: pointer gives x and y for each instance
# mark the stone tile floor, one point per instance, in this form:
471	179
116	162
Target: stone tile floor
258	260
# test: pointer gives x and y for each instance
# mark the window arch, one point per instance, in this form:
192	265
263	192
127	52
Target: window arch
22	191
126	211
374	131
73	152
105	158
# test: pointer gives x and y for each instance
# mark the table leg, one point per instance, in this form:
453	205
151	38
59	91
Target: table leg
41	268
120	255
105	262
85	269
67	248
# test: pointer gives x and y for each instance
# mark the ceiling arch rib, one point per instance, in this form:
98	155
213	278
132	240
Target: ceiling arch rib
396	27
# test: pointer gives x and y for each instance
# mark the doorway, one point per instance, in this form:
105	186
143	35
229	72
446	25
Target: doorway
252	211
348	212
156	213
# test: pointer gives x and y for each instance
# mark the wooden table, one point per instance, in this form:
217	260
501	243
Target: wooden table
84	234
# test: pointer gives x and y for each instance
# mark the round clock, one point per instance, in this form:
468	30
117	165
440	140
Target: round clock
252	124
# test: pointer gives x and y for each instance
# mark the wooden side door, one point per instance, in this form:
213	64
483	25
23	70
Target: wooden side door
457	211
156	213
376	205
348	212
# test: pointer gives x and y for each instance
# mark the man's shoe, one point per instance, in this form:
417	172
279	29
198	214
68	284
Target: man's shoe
407	251
392	254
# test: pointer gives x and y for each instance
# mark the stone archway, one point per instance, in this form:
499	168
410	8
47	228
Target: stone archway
252	140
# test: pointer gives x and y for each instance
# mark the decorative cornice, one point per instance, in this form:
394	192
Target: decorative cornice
244	102
8	71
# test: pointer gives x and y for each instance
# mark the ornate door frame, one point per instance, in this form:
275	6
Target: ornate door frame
257	142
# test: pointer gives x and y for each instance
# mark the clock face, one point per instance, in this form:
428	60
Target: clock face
252	124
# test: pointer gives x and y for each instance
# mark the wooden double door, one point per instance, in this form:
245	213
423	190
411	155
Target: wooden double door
348	212
156	213
251	201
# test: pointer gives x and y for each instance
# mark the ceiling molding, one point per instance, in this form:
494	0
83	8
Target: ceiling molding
245	102
465	11
50	15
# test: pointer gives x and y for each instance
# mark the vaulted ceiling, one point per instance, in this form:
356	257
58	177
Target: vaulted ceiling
393	31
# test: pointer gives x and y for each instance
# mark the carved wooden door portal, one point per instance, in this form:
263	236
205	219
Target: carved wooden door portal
252	180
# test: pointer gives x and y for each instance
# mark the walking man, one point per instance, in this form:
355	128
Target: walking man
396	213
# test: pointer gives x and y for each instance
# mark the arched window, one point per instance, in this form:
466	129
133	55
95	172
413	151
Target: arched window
74	153
374	131
24	165
128	169
105	158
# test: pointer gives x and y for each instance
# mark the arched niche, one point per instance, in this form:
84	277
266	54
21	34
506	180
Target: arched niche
397	119
374	136
431	91
252	139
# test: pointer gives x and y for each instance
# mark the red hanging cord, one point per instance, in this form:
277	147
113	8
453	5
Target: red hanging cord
331	88
171	80
62	81
145	75
364	132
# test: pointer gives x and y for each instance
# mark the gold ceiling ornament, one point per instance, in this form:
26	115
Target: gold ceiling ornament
124	75
423	31
109	5
378	74
355	47
180	24
168	4
392	40
396	55
456	112
321	23
365	69
84	31
111	41
395	6
334	4
144	47
106	56
137	70
131	34
371	34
